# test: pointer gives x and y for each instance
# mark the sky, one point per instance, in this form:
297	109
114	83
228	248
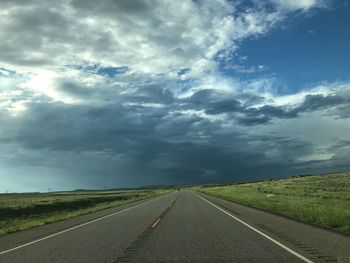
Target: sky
109	94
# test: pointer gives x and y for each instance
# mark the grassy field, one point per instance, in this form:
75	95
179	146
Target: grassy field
323	200
23	211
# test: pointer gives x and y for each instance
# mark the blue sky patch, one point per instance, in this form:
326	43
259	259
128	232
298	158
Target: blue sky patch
312	48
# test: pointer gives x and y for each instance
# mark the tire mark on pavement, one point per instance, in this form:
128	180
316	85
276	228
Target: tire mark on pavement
131	250
306	248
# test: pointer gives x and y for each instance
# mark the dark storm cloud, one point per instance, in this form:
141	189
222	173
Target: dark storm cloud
76	90
159	143
214	102
317	102
150	94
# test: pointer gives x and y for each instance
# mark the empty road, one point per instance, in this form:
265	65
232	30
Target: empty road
181	226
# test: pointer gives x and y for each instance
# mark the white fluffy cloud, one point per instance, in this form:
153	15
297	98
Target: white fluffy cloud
182	39
148	36
298	4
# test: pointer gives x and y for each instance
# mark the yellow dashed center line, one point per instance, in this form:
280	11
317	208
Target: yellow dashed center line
156	223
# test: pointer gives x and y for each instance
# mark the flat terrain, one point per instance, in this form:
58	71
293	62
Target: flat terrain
23	211
181	226
323	200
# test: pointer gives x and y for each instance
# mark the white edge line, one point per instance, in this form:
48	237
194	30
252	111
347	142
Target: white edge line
75	227
259	232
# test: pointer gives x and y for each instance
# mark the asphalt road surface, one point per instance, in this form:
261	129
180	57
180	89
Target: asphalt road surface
181	226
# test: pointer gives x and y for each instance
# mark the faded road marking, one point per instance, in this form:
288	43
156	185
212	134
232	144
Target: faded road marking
156	223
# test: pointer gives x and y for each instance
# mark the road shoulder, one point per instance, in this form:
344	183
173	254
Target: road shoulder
320	245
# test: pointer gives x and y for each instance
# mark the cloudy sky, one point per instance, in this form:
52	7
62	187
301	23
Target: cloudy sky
120	93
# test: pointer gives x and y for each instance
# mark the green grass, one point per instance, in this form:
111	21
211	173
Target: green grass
323	200
27	210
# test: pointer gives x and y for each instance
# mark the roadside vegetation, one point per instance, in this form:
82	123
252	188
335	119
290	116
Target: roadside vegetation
323	199
27	210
